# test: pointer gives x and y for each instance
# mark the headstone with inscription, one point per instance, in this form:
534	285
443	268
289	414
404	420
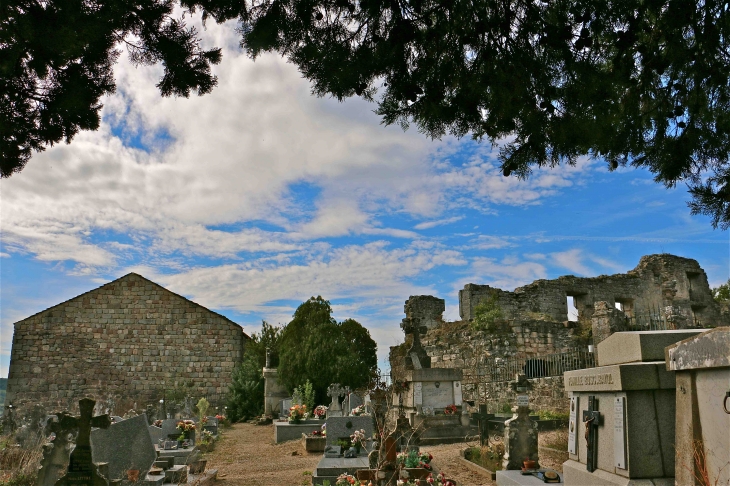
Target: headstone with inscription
622	415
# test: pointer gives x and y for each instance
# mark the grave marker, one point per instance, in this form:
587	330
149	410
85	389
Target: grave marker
573	425
619	435
81	471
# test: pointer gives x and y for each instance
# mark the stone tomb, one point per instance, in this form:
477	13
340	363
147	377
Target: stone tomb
430	391
330	467
702	369
629	410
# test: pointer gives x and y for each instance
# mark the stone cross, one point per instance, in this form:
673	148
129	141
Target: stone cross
335	391
416	358
592	419
80	468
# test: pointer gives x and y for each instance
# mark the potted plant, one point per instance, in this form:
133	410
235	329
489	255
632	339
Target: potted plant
529	463
186	428
359	410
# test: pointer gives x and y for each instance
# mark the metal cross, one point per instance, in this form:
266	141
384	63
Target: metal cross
591	420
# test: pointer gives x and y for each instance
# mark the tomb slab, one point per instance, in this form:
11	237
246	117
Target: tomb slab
639	346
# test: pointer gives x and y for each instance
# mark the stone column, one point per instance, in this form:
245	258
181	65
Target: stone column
605	321
273	391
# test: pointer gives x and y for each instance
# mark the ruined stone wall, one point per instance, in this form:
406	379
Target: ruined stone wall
426	309
658	282
130	340
458	345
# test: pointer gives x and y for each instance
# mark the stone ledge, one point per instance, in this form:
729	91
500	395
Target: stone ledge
623	377
639	346
478	469
711	349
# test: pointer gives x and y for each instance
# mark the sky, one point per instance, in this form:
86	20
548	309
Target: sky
253	198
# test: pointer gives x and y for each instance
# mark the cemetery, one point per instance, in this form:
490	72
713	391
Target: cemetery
640	407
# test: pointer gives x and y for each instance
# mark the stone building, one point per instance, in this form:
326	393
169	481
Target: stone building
536	327
128	343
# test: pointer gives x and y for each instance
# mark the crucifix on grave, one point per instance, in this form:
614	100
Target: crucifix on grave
81	470
335	391
591	420
416	357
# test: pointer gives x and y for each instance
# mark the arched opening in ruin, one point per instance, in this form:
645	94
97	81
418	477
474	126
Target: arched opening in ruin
572	308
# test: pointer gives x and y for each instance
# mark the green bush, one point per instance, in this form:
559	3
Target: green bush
487	313
246	393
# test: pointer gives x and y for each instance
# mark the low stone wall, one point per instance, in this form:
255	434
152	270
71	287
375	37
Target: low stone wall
284	431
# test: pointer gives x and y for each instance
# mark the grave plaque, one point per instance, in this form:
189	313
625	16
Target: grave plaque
619	435
458	399
523	401
437	394
573	425
427	411
417	393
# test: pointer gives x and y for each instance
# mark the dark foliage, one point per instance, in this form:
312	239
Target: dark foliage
315	347
246	393
644	84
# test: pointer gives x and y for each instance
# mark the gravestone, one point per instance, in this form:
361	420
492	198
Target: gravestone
344	427
702	368
353	401
284	406
211	425
81	470
520	437
622	416
335	391
166	431
125	445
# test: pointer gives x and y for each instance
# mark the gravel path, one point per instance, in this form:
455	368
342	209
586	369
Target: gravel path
246	455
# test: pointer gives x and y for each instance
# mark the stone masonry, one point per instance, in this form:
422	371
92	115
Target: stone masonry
536	322
129	341
658	282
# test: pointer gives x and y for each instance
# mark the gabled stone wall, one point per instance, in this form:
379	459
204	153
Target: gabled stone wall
129	341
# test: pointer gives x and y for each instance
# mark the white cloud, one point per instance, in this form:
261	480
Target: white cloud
4	255
572	260
438	222
366	272
506	274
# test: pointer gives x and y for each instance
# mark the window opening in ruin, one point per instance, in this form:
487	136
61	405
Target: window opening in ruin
625	305
572	309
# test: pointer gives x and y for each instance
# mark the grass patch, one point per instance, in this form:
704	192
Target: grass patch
550	415
488	457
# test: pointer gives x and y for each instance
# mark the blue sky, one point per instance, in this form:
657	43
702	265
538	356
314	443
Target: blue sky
253	198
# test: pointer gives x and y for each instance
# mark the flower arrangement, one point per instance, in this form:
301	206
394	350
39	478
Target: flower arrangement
450	409
320	411
439	480
358	439
297	413
220	417
157	423
186	426
346	480
359	410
